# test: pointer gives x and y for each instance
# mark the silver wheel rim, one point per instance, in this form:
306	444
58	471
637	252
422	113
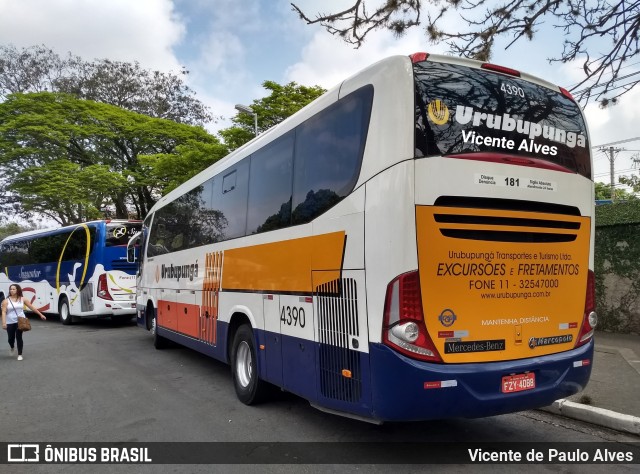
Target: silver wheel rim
64	312
244	365
153	326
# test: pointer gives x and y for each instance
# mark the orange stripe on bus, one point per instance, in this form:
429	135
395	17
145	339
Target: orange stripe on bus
284	266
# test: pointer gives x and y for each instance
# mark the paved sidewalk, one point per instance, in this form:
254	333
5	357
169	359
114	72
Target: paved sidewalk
612	397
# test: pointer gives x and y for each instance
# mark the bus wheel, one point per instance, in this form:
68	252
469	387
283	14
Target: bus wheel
63	311
159	342
249	388
150	318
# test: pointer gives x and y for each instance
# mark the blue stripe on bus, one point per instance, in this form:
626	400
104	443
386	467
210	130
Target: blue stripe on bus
399	394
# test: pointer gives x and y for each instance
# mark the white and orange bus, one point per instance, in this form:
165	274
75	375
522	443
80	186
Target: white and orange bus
415	244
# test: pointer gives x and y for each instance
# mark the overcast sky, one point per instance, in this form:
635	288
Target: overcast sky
231	46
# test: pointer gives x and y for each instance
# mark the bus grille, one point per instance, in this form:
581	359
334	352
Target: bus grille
505	220
337	323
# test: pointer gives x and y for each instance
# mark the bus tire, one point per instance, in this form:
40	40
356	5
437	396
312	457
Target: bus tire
150	320
159	342
64	312
249	388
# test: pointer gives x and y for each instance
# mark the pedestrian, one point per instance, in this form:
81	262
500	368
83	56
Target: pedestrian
12	309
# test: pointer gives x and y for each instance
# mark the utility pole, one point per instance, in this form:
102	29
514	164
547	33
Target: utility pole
612	157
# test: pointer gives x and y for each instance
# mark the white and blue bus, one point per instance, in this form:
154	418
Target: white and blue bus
78	271
417	243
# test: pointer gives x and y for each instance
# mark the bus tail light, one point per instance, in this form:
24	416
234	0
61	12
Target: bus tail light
590	318
567	94
501	69
103	288
418	57
403	328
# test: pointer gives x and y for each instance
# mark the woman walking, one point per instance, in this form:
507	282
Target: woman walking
12	309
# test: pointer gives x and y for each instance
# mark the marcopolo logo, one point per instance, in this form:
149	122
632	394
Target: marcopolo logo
548	341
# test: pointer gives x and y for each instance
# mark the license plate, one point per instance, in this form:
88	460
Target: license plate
518	382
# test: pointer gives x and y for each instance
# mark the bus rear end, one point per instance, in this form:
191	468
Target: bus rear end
499	315
116	285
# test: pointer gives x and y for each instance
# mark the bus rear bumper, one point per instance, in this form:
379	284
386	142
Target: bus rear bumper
117	308
404	389
122	308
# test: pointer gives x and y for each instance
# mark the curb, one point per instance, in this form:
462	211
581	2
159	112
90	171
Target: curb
597	416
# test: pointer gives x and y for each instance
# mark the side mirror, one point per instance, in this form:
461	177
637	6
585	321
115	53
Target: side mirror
132	247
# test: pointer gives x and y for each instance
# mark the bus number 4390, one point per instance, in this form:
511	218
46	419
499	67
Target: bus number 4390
292	316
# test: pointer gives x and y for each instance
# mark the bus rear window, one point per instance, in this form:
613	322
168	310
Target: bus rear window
120	233
462	110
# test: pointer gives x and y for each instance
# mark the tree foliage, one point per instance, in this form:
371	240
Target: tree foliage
601	34
73	159
633	181
617	267
126	85
170	170
282	102
603	191
66	192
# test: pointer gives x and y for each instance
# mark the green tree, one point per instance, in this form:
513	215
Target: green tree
126	85
633	181
603	191
70	158
172	169
188	159
601	34
67	192
282	102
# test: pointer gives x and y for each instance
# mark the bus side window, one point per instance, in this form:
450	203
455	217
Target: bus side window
230	200
270	184
328	154
156	238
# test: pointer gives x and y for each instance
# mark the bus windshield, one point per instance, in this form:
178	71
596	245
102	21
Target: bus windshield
462	110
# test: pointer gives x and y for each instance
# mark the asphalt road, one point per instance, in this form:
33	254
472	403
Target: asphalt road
104	382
